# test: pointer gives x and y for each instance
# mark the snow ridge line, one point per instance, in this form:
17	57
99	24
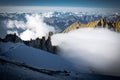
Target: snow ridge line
44	71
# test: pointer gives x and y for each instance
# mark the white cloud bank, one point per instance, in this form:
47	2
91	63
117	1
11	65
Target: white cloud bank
95	49
33	28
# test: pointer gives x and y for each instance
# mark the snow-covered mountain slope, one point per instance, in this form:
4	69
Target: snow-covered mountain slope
35	57
12	72
19	56
20	62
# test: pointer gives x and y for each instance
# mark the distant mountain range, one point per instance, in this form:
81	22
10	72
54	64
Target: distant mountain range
61	19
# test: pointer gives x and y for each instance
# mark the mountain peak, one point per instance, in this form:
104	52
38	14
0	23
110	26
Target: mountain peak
75	25
103	23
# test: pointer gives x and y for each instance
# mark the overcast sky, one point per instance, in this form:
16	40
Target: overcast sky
71	3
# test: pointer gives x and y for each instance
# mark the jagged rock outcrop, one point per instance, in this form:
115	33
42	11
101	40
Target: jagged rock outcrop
44	44
11	37
103	23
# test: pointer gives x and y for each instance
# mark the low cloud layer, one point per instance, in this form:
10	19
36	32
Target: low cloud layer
95	50
33	27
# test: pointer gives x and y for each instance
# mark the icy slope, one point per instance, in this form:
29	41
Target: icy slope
35	57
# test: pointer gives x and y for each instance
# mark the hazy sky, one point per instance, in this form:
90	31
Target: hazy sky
71	3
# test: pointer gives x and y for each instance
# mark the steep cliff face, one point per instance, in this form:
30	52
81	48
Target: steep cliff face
103	23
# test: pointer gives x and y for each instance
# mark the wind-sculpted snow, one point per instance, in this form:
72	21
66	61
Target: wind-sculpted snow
96	49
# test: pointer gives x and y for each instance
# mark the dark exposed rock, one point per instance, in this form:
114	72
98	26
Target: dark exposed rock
1	40
12	38
43	41
44	44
